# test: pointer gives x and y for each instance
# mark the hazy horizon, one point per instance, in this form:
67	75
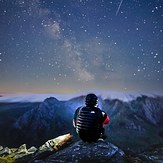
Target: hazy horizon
34	97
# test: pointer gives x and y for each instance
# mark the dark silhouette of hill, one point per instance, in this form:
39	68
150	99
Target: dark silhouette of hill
9	114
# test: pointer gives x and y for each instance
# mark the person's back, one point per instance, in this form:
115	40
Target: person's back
89	120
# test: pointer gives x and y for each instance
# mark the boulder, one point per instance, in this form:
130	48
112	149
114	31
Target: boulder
154	153
83	152
52	146
5	151
32	149
1	148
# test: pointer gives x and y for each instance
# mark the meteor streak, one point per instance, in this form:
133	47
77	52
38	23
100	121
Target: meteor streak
119	7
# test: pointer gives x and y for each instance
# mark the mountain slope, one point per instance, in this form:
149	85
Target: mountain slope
51	118
9	114
137	122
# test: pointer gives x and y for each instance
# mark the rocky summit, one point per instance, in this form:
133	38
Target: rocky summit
62	150
82	152
102	152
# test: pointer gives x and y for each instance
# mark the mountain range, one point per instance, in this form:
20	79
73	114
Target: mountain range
136	124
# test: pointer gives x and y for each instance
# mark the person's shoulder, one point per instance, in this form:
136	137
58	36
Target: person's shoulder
78	107
98	109
102	112
77	110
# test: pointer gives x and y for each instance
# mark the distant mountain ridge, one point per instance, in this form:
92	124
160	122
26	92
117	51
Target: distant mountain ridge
13	97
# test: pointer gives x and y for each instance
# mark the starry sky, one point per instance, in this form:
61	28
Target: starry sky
65	46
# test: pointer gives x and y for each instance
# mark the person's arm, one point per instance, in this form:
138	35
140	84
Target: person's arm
74	123
106	121
106	118
75	117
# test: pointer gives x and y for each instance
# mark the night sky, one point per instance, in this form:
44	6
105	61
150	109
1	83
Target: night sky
65	46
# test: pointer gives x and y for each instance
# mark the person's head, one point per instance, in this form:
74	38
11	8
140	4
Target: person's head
91	100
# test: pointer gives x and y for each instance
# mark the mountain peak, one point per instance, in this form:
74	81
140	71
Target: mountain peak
51	100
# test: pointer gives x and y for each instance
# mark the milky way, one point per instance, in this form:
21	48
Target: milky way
65	46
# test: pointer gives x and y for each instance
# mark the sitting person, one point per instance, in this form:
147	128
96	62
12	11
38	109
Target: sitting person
89	120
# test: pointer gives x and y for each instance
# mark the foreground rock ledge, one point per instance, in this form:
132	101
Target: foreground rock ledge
82	152
24	155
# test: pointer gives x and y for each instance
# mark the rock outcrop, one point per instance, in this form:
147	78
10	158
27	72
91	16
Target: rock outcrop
24	155
82	152
154	154
103	152
78	152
